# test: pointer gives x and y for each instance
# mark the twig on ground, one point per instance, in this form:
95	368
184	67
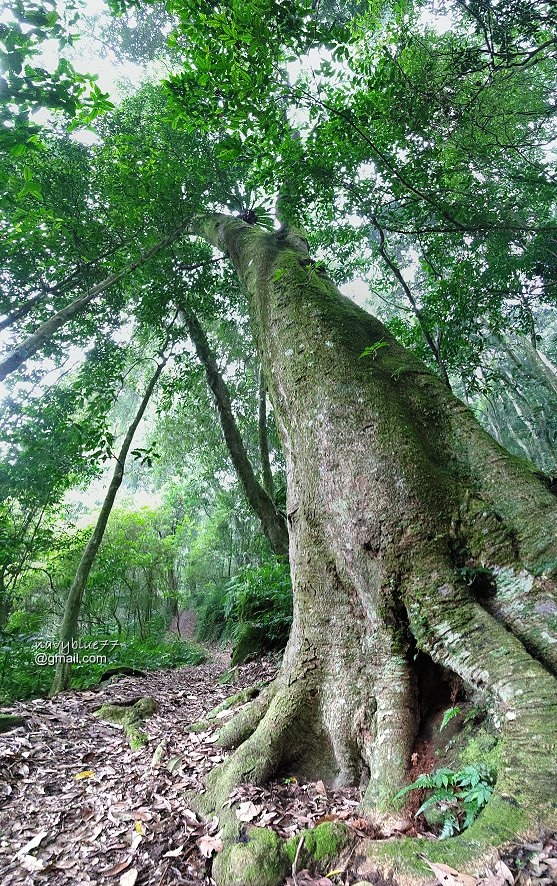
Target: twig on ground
296	857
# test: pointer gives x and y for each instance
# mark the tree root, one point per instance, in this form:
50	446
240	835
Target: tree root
246	721
471	852
131	718
243	723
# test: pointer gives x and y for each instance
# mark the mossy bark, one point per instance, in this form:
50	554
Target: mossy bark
395	496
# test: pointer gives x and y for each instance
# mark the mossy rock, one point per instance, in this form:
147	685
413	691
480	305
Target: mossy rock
11	721
131	718
250	644
121	671
323	843
260	861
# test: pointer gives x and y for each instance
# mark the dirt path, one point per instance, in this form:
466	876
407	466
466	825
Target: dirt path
184	624
100	808
79	807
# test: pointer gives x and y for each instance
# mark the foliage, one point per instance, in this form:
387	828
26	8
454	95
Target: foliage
418	157
21	677
449	715
253	611
26	88
458	797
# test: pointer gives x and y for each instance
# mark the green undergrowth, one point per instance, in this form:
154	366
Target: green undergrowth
252	611
27	665
454	799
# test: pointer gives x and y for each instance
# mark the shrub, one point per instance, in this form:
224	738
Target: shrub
253	610
21	677
456	798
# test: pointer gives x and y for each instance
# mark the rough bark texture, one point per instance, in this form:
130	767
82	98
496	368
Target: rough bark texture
266	472
68	629
393	488
262	504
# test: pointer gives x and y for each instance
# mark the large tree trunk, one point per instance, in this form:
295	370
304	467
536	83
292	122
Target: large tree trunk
393	488
261	503
70	621
262	426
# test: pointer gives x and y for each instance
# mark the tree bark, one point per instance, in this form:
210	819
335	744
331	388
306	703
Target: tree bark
69	626
266	472
21	312
47	330
393	488
262	504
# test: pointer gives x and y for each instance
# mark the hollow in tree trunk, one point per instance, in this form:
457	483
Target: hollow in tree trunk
393	488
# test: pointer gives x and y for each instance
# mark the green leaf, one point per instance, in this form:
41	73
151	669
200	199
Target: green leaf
371	350
449	714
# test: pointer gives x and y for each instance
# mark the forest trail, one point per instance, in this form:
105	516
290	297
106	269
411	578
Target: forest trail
80	807
184	624
97	811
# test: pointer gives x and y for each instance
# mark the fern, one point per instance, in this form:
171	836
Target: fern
458	796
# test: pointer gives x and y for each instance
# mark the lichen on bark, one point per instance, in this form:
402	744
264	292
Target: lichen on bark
395	496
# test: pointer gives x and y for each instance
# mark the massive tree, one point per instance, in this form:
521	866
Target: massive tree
393	488
414	537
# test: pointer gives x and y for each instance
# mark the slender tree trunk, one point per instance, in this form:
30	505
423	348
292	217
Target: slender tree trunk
433	345
263	505
393	488
47	330
266	472
21	312
69	627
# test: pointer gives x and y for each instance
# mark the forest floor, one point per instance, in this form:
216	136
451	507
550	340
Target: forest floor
80	807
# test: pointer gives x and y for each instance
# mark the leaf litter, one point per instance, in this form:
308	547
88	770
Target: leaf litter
78	806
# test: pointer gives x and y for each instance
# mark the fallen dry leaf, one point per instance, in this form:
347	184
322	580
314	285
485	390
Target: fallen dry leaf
448	876
32	844
30	863
118	868
129	878
208	845
248	811
173	853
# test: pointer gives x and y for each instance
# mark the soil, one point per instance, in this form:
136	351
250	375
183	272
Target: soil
80	807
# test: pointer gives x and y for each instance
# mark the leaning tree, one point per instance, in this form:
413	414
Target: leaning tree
396	496
393	488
